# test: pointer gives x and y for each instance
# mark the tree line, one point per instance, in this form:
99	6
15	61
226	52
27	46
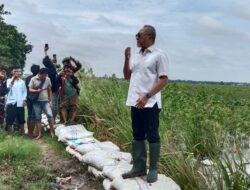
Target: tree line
13	44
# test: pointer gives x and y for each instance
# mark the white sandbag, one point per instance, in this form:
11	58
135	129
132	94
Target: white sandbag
74	153
74	132
95	172
85	148
107	145
114	171
106	184
74	143
63	128
163	183
59	129
248	169
101	158
58	125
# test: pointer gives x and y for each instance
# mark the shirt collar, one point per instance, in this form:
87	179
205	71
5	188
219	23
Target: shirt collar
150	49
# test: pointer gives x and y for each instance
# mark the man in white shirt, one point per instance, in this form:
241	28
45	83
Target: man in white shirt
148	75
16	100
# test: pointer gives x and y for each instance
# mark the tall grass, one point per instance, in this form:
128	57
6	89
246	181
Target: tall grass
20	164
197	122
18	149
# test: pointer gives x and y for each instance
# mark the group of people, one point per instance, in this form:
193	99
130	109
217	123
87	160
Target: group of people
48	90
148	75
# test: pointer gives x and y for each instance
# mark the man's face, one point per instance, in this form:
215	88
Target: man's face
143	39
16	73
43	76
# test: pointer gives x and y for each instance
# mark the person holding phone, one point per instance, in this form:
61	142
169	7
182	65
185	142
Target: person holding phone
50	64
16	100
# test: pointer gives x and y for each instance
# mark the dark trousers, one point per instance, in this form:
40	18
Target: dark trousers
145	124
13	112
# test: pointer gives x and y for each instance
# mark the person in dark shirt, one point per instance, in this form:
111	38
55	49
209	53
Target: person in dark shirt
50	64
31	115
3	92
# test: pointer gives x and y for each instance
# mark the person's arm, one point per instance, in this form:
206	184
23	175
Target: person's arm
126	68
75	82
32	89
162	70
162	82
24	92
77	66
47	61
50	96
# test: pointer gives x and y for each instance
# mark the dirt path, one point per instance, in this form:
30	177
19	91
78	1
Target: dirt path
62	166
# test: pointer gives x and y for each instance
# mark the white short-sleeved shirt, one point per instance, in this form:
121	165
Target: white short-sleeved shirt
146	69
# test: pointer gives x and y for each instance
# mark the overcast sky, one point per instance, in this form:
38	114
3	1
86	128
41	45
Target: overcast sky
205	40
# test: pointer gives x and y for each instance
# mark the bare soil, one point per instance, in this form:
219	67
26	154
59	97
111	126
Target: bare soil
63	167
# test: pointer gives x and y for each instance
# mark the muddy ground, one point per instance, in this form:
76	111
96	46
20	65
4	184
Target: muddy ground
61	166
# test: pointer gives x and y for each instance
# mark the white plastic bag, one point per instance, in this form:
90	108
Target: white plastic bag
115	171
101	158
163	183
73	132
75	143
107	145
74	153
95	172
106	184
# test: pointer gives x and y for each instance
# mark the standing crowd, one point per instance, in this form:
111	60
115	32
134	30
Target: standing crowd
48	90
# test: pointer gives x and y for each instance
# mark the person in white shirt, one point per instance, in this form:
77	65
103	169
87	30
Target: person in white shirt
148	75
16	100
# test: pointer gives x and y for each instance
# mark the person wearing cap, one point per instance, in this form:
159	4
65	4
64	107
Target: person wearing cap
73	63
44	101
148	74
69	93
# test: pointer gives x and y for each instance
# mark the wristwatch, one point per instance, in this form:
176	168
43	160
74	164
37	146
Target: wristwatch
149	95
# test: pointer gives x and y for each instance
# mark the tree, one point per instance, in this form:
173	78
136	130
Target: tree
13	44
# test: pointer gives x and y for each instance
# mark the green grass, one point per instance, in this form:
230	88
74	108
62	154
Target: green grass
197	122
58	147
19	164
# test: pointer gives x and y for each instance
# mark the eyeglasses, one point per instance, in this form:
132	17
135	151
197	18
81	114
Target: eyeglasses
139	35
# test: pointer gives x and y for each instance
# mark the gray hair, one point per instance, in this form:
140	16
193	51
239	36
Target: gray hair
151	30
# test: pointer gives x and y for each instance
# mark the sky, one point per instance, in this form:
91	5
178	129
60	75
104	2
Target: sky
204	40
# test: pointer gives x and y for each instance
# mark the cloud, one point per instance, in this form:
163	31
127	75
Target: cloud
205	40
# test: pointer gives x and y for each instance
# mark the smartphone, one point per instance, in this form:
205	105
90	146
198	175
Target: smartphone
46	46
54	57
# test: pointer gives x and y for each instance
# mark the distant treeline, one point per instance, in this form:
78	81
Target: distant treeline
211	82
192	82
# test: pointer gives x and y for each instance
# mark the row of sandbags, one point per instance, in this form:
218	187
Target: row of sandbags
105	160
